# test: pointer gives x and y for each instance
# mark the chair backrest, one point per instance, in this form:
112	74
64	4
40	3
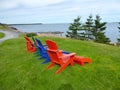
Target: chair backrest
27	39
53	51
39	42
41	47
53	56
34	41
51	45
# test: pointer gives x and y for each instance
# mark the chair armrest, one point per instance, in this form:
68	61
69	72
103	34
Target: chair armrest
60	50
71	54
67	55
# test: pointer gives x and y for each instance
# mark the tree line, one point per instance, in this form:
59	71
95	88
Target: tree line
93	29
119	34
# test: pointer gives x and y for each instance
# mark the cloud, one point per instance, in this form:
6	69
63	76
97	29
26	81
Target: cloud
34	3
7	5
94	7
57	10
10	4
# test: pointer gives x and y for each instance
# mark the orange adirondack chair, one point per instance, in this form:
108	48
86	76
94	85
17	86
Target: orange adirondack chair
29	45
57	57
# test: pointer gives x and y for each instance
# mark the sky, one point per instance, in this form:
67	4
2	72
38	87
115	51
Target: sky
57	11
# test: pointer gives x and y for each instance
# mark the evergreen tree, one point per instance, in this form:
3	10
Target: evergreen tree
98	31
74	27
89	28
119	32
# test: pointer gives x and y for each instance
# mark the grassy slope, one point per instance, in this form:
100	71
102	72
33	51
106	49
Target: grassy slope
1	35
20	70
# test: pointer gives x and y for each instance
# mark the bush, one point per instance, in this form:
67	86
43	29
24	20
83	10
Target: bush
2	35
31	34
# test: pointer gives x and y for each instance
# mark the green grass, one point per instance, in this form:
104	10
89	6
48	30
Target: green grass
1	35
20	70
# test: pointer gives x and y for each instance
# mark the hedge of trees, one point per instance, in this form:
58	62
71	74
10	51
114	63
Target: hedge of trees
91	30
119	34
31	34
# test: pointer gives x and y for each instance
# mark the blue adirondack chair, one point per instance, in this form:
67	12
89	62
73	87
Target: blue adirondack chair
42	51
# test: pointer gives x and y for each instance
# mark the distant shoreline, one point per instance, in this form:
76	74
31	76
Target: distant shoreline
45	23
27	24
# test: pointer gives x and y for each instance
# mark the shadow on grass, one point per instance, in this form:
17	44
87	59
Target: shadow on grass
65	87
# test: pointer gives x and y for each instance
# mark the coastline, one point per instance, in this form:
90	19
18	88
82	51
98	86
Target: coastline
111	30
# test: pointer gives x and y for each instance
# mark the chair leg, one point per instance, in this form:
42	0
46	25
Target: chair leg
72	63
51	65
86	60
61	68
46	61
80	63
41	58
64	66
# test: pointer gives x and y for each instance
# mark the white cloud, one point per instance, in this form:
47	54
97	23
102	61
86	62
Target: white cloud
35	3
95	7
9	4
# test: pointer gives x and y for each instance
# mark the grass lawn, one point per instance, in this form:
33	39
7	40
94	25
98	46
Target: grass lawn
20	70
1	35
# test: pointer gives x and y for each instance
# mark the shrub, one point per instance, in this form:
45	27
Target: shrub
31	34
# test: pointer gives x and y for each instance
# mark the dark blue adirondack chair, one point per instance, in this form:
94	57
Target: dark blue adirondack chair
42	51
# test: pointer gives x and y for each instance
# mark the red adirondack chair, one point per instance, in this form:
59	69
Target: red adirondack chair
57	57
29	45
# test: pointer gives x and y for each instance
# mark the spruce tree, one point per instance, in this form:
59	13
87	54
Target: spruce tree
119	32
98	31
74	27
89	28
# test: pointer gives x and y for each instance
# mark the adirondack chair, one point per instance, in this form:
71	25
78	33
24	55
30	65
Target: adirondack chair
42	51
57	57
29	45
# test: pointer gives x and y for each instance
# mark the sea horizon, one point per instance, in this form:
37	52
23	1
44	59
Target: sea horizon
47	23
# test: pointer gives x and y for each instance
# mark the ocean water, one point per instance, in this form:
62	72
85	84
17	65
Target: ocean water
111	31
